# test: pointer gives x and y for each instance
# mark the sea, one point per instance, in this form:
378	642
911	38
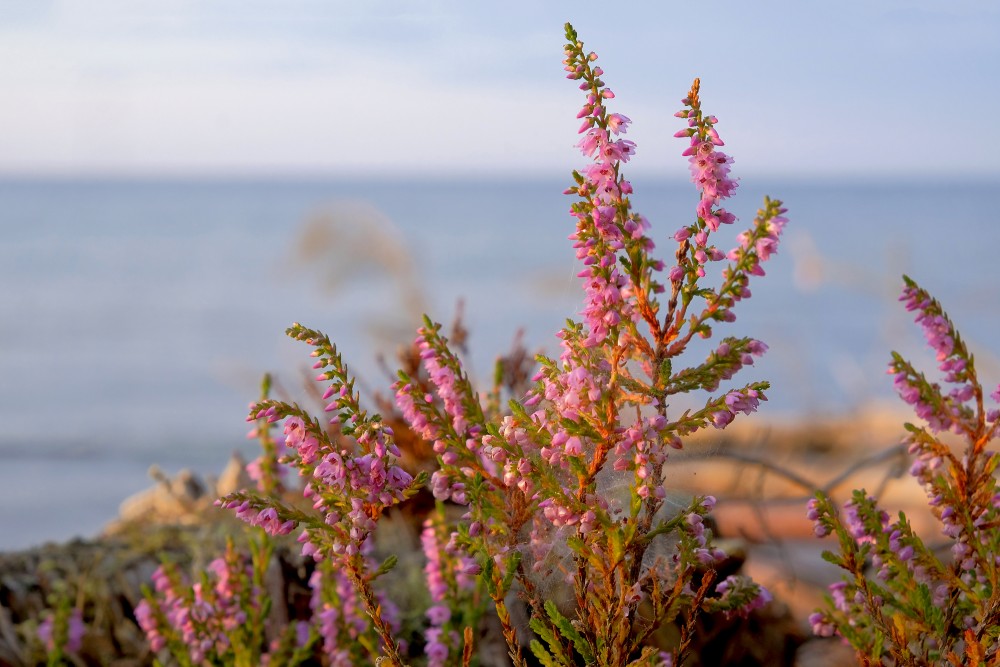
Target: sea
137	317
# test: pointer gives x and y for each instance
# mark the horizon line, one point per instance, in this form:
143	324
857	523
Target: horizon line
478	177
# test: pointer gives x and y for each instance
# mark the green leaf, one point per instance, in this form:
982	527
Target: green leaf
386	565
486	563
544	632
635	504
833	558
576	543
543	656
569	632
617	544
512	565
518	411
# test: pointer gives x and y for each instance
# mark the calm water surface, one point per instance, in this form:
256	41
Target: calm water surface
136	318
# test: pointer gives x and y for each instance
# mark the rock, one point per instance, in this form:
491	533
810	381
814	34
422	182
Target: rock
234	477
179	500
820	652
187	487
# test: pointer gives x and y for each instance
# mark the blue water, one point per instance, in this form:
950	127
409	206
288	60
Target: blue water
136	318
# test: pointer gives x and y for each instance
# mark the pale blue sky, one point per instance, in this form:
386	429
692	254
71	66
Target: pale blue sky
897	89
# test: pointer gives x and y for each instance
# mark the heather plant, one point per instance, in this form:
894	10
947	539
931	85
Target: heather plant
903	599
61	630
562	488
221	616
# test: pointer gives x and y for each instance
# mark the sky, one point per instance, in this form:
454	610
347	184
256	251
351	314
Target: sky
888	89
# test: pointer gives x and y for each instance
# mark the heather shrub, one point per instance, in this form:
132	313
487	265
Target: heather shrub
907	599
557	495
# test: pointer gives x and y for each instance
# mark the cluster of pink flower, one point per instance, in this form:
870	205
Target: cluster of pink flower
350	488
710	173
457	431
260	515
941	413
450	580
640	450
597	240
742	595
266	470
339	615
205	617
736	401
71	627
960	521
694	526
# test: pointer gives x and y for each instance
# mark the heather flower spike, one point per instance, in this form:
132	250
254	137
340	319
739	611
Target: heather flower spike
266	470
456	597
61	631
913	607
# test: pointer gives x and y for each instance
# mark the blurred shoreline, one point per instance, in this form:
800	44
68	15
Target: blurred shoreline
716	462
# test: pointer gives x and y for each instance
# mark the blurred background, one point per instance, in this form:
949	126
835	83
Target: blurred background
180	181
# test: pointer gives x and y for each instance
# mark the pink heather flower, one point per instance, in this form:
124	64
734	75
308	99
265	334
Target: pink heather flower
433	570
450	576
821	626
722	418
575	389
408	407
601	177
299	439
438	614
435	649
295	431
146	618
744	402
74	632
766	247
814	515
266	518
694	524
255	471
838	591
445	380
592	141
338	612
741	586
618	123
618	151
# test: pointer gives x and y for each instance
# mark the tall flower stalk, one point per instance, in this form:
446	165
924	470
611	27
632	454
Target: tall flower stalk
535	481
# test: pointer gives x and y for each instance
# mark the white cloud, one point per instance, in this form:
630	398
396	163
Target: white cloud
341	123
